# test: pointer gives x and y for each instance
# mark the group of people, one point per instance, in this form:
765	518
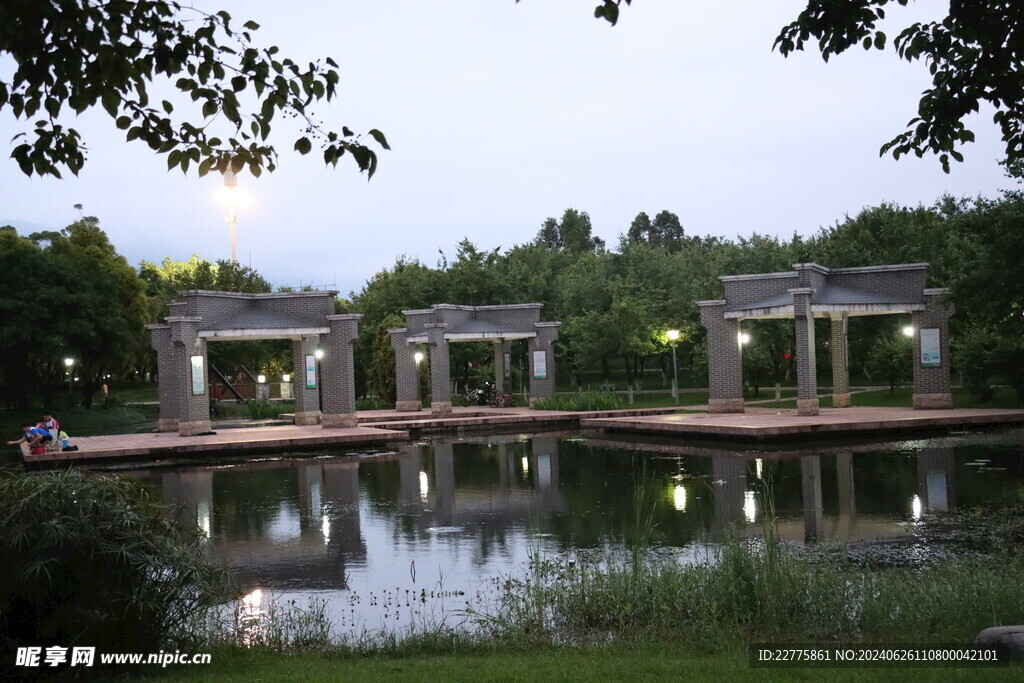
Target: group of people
37	435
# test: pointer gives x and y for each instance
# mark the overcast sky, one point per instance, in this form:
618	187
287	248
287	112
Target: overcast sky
501	115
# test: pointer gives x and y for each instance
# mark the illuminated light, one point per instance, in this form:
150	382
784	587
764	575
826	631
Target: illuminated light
908	331
319	354
673	335
526	465
286	377
915	507
325	528
749	506
418	356
679	497
424	486
787	356
759	468
743	338
68	362
262	379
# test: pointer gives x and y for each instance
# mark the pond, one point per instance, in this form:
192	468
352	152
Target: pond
386	538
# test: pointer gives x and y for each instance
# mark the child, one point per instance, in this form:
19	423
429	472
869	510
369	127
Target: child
33	436
50	424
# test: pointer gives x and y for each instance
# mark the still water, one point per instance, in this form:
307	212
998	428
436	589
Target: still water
366	531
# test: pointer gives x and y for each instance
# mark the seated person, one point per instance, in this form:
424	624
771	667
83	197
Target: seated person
33	436
50	424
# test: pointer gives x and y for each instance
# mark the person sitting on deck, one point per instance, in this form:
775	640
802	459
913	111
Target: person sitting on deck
50	424
35	437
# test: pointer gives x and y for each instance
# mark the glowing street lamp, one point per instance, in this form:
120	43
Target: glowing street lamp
230	187
418	357
69	363
673	336
908	331
743	338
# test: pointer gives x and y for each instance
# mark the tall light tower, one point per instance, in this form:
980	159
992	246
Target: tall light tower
230	185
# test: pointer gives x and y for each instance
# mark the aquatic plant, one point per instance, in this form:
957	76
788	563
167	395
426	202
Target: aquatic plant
587	400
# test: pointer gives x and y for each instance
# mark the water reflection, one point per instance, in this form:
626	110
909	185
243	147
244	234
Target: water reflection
453	512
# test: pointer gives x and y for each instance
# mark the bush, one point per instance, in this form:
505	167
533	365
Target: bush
93	561
262	409
588	400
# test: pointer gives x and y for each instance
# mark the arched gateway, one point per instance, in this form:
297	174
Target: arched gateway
439	325
307	318
810	291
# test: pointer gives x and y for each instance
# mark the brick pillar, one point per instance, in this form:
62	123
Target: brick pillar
407	375
806	377
338	367
544	342
840	366
167	381
725	363
499	368
440	370
931	376
506	380
307	400
193	408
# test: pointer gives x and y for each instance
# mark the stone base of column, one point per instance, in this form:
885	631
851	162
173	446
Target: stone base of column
932	401
807	406
441	407
408	406
193	428
841	401
725	405
335	420
309	417
167	424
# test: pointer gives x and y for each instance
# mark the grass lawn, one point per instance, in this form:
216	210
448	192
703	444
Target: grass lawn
647	662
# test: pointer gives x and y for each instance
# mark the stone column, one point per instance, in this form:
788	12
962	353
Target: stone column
193	408
165	369
307	401
338	366
806	370
840	362
931	376
440	370
407	375
544	342
499	367
725	363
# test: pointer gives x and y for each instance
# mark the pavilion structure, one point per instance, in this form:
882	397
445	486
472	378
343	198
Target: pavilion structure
810	291
436	327
321	349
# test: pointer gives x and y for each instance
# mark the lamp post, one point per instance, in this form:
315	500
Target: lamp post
230	183
673	336
319	380
69	363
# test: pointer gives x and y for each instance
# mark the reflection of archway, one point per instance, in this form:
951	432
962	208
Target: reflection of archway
811	291
306	318
444	323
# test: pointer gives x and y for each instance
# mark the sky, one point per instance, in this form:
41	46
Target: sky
501	115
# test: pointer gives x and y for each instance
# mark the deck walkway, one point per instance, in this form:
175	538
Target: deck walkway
773	424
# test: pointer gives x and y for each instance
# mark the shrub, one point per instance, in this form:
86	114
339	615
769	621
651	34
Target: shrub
588	400
94	561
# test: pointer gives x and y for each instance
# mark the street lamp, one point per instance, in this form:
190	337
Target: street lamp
418	357
743	338
908	331
230	185
673	336
69	363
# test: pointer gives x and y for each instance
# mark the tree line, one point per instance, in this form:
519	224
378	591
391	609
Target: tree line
70	295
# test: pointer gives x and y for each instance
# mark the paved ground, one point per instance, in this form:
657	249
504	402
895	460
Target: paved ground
767	423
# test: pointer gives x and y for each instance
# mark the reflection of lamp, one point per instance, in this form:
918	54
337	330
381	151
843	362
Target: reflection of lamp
908	331
679	498
673	336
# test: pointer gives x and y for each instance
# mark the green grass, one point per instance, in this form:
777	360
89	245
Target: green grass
644	662
101	419
135	393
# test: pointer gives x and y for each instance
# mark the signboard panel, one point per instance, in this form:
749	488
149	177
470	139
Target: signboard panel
931	349
311	371
198	378
540	365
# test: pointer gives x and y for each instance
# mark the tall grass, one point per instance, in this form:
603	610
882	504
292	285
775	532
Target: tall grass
589	400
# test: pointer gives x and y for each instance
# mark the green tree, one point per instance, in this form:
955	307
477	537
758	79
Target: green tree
79	54
574	233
